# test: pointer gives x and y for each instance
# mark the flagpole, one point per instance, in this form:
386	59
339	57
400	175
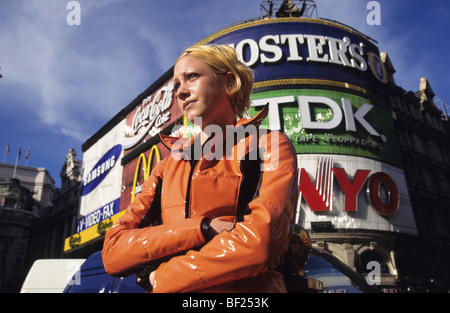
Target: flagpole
27	156
6	153
17	161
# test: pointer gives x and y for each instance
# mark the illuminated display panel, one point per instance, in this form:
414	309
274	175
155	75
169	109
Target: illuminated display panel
326	87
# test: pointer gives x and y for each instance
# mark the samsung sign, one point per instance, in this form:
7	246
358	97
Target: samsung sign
96	175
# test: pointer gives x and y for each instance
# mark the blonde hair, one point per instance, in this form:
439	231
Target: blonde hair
222	59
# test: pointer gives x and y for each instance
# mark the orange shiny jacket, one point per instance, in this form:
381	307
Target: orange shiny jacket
259	196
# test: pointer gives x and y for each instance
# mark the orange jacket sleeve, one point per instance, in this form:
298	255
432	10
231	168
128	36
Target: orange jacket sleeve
254	245
127	246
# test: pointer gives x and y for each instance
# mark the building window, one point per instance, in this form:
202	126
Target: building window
10	202
369	256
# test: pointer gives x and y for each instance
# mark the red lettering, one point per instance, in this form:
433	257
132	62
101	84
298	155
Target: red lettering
351	190
390	204
382	191
311	194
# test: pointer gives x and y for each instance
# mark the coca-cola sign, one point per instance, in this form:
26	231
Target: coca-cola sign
149	117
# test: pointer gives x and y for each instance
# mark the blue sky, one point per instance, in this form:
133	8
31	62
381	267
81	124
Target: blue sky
62	82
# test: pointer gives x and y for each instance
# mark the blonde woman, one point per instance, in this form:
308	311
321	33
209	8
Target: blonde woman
224	222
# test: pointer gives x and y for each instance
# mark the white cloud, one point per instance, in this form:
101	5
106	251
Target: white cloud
67	80
75	78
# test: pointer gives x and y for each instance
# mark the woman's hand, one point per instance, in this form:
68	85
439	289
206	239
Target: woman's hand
216	226
152	278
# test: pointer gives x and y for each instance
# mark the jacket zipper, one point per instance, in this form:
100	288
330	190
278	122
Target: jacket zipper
195	158
188	190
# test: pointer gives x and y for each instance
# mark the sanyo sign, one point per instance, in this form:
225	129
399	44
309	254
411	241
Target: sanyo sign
306	102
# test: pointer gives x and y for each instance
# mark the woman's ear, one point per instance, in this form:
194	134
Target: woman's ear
230	81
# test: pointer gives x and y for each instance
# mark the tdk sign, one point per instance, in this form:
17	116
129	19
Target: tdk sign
95	176
304	103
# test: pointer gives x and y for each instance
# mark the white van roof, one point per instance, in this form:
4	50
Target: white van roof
50	275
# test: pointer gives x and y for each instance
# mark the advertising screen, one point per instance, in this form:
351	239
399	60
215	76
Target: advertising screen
328	121
100	192
306	51
112	163
148	118
157	112
326	87
354	193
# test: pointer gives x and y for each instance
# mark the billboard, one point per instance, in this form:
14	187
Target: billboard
286	51
157	112
99	193
354	193
332	122
326	88
136	172
147	119
110	165
350	167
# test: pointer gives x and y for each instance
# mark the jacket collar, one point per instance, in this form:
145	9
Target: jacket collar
181	143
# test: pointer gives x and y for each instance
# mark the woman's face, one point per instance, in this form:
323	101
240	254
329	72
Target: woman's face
202	93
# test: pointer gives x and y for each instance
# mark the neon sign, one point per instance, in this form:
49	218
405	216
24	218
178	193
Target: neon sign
382	191
147	167
151	115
